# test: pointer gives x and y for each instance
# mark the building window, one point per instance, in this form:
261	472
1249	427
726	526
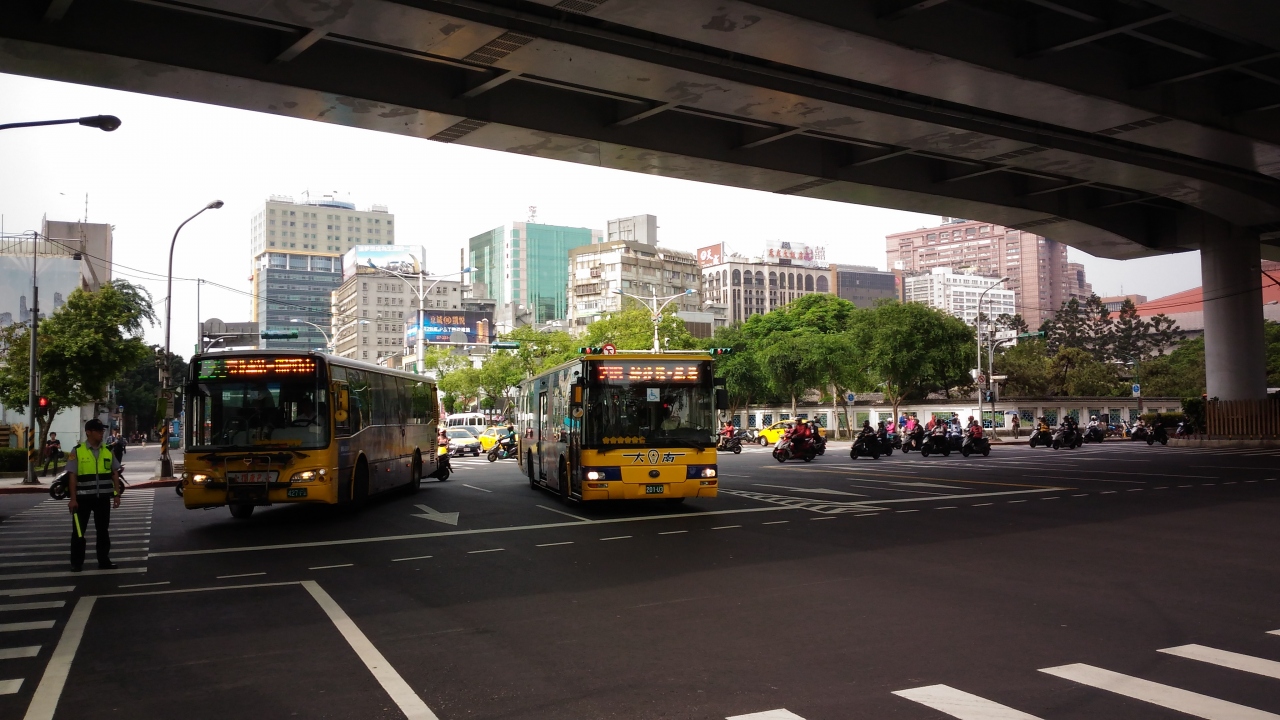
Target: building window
822	283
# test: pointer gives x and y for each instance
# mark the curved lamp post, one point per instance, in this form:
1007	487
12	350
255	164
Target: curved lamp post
102	122
656	310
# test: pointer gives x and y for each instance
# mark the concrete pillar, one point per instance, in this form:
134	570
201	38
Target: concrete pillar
1234	351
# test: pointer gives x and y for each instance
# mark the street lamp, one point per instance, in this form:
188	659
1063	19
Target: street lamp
422	301
166	465
656	310
977	324
102	122
328	344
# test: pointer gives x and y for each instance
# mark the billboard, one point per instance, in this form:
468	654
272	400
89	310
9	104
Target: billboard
397	258
796	253
442	324
711	255
56	276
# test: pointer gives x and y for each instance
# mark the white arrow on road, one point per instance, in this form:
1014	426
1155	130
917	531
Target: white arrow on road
779	714
446	518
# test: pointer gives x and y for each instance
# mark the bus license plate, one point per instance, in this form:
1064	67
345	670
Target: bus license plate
654	489
251	477
296	492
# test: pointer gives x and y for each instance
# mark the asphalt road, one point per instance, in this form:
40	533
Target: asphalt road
1113	581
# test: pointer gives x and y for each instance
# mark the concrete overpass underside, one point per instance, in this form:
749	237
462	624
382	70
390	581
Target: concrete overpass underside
1121	127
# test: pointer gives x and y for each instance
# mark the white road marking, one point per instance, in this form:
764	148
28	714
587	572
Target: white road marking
771	522
473	552
1165	696
726	527
1016	501
452	533
431	514
615	537
48	605
953	507
1107	480
22	592
561	512
1235	661
811	491
239	575
417	557
779	714
473	487
828	517
960	704
980	504
907	511
38	563
330	567
569	542
20	626
401	693
9	687
45	700
152	584
675	532
14	653
915	483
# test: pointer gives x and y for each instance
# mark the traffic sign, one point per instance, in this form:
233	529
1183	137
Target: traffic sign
609	349
982	379
1137	390
851	397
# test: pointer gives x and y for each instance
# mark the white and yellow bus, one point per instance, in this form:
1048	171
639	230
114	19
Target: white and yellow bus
631	425
267	427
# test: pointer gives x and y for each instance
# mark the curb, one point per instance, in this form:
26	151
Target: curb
44	487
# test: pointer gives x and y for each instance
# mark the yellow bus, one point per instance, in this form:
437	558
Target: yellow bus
279	426
630	425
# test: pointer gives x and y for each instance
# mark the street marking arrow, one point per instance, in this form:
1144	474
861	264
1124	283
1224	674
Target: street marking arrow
446	518
779	714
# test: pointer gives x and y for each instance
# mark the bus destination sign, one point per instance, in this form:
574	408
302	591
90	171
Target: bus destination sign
236	367
642	372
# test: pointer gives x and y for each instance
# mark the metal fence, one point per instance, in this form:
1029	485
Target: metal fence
1243	418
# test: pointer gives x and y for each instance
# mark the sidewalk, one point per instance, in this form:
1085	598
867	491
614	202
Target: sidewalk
14	486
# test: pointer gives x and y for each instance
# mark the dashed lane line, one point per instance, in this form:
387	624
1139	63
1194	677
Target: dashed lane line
473	487
476	552
416	557
616	537
561	512
680	532
567	542
150	584
728	527
45	605
239	575
330	567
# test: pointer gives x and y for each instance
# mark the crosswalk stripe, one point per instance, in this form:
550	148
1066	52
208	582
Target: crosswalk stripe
9	687
37	563
960	704
20	626
23	592
1173	698
14	653
1227	659
46	605
779	714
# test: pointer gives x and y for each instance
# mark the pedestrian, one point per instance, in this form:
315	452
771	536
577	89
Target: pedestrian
1015	424
94	487
52	452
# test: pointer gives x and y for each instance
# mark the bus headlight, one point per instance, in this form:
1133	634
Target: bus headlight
196	479
308	475
708	472
594	474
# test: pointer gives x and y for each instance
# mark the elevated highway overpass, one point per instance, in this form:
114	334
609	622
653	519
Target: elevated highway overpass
1123	128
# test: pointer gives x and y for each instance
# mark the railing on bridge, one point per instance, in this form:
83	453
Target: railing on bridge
1240	419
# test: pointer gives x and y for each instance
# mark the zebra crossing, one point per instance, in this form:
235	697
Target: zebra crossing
958	703
34	546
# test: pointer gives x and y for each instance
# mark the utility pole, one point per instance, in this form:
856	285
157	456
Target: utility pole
32	379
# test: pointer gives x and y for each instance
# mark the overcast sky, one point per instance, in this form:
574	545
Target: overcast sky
172	157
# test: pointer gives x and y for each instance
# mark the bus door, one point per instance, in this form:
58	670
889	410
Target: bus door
542	433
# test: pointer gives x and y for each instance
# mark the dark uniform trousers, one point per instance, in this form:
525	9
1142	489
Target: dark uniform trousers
100	507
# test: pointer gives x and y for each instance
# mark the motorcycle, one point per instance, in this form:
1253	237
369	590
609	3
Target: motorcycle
820	444
1140	434
937	442
888	442
865	445
1158	434
444	467
59	489
503	451
1094	434
731	444
913	440
975	445
1042	437
1066	437
787	450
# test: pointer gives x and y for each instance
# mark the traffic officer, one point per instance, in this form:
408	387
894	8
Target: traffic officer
94	487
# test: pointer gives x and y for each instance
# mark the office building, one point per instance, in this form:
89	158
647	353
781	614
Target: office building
745	286
864	285
372	308
957	293
297	253
524	268
1116	302
600	272
1037	267
641	229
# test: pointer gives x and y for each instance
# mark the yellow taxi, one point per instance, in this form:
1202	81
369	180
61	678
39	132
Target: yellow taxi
772	434
489	437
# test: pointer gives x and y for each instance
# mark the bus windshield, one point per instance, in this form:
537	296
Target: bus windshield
258	408
649	403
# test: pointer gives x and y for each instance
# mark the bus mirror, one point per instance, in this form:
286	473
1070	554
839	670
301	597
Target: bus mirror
340	415
341	397
722	398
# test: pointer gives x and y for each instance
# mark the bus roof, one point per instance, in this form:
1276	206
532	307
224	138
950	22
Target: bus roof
627	355
330	359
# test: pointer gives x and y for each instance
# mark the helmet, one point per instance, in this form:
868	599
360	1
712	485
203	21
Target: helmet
970	417
1093	417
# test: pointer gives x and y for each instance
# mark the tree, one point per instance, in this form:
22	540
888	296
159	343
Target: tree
1012	322
788	361
463	383
1026	367
913	350
632	329
1271	336
500	372
1073	371
837	359
440	361
541	350
89	342
1178	374
138	390
743	376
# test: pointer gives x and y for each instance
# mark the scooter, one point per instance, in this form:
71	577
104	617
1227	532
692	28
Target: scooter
1094	434
1042	436
731	444
975	445
865	445
888	442
937	442
443	465
786	450
1158	434
503	451
913	440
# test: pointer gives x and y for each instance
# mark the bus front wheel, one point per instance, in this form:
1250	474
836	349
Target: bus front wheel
241	512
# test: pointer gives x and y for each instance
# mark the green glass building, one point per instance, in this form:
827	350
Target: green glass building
525	268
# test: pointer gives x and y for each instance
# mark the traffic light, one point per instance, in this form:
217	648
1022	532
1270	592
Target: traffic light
1023	336
721	351
989	397
42	402
279	334
590	351
505	345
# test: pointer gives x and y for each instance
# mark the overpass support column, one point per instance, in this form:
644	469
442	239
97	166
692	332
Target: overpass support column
1234	349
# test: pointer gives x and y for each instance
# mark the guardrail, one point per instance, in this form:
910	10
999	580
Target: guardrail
1243	418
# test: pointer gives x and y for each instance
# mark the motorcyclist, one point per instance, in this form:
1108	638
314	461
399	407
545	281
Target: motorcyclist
868	433
726	434
798	435
508	436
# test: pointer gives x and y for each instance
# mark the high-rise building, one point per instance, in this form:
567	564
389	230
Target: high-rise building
1115	303
296	251
599	271
1037	267
864	285
745	286
372	308
958	294
524	268
642	229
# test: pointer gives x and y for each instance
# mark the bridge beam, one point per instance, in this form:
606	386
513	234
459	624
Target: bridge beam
1234	348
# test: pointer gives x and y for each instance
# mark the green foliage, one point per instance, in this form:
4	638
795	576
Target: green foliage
1178	374
744	377
463	383
541	350
1073	371
86	344
1194	408
1127	338
13	459
1271	336
138	390
439	361
632	329
913	350
499	375
1026	366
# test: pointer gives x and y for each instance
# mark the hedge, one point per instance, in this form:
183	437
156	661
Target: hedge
13	459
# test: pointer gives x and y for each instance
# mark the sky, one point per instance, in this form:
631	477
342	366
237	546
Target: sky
170	158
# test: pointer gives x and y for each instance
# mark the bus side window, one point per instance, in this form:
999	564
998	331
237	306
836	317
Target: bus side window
403	400
359	400
422	402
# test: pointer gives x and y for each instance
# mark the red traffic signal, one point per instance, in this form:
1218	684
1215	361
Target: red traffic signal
42	402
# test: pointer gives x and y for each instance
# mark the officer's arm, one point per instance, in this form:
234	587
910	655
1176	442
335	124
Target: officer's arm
71	480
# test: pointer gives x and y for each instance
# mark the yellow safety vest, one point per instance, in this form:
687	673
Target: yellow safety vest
93	477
